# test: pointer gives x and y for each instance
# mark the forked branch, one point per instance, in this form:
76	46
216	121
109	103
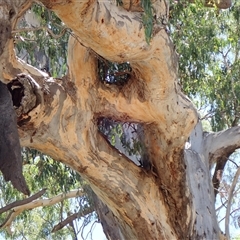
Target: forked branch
219	146
22	202
15	211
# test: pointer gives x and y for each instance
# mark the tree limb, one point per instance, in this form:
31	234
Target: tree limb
71	218
222	143
39	203
23	202
135	6
109	222
8	57
219	146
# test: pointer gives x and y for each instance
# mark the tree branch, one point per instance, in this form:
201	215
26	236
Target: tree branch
18	66
22	202
108	221
222	144
9	65
105	12
71	218
219	146
133	102
68	116
39	203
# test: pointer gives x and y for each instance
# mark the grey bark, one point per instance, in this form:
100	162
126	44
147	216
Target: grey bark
10	150
107	219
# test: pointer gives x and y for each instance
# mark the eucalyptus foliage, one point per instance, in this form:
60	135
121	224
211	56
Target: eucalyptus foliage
113	73
147	19
42	41
40	172
207	41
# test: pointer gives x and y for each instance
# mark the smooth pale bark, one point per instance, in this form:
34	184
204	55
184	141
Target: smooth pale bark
22	202
111	225
224	142
172	200
199	182
219	148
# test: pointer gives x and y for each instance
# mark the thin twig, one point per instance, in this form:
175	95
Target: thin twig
223	205
233	163
208	115
237	209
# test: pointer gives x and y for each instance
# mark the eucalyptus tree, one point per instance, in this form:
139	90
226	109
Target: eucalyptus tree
172	196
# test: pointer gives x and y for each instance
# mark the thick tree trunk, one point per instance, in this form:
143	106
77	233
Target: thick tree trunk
172	200
111	225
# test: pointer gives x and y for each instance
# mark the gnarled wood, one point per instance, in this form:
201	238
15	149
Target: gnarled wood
170	200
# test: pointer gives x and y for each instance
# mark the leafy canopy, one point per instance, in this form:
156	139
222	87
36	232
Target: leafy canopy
207	41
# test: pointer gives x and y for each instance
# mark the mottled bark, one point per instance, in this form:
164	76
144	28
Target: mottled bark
109	222
173	199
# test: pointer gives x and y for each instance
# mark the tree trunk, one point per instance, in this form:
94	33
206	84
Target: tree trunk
173	199
110	223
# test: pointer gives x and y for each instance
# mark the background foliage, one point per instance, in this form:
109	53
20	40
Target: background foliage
208	44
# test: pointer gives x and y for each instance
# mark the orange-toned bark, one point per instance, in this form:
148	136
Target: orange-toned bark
153	204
